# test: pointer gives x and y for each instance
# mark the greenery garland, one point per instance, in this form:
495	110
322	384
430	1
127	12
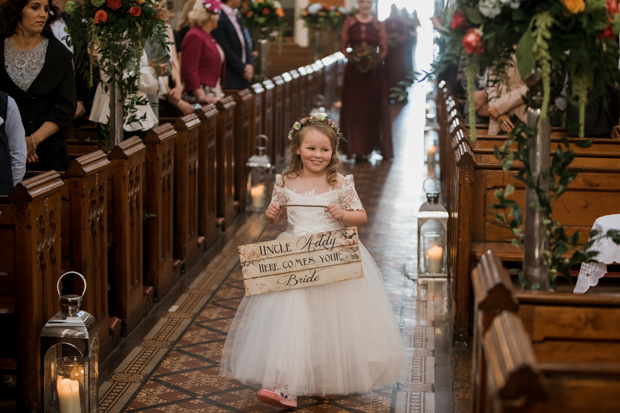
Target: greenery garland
470	71
542	34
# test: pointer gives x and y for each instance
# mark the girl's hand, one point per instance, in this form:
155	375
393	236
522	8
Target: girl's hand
274	211
335	211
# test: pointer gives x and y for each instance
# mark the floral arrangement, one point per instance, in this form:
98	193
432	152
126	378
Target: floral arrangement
554	37
552	40
312	119
115	32
262	17
320	14
365	59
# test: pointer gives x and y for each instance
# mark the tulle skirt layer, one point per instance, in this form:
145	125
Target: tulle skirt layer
339	338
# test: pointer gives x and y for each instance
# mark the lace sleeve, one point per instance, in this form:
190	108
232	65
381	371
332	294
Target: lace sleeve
279	196
349	199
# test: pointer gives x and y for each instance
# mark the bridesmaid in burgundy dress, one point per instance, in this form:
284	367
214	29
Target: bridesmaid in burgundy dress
397	29
365	119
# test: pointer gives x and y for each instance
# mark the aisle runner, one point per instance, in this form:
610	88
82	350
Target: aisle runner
175	369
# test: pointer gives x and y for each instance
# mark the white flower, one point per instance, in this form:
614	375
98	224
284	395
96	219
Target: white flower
321	116
277	5
290	136
342	10
297	125
314	8
490	8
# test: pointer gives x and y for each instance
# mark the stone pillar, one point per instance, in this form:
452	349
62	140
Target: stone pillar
301	32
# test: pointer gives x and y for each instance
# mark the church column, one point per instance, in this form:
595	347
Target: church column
301	32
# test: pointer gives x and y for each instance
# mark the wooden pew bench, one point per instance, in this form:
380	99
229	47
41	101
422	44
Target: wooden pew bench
594	193
187	246
569	334
30	241
518	381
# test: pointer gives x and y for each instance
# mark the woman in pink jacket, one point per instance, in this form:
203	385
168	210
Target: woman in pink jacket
202	60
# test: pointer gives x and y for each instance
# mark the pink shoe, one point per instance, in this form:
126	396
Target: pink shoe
276	398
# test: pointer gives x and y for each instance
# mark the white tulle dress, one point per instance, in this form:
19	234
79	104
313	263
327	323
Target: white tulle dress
338	338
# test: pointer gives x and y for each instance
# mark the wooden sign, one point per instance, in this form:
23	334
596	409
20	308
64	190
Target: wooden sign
309	260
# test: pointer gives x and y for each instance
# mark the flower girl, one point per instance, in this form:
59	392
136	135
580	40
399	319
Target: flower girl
338	338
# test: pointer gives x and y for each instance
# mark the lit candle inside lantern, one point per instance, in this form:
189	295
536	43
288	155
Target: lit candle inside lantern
68	395
430	153
435	253
257	195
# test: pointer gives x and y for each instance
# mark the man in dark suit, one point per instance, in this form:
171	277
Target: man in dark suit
230	34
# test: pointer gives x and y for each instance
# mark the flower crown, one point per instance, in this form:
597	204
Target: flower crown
318	118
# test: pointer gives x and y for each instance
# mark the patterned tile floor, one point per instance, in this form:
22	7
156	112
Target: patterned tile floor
174	367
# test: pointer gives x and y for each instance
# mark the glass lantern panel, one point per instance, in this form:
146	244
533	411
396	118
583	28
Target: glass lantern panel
431	143
257	189
64	379
432	248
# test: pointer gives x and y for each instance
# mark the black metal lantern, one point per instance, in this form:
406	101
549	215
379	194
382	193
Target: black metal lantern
70	357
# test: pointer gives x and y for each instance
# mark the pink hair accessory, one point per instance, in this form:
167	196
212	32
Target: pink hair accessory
213	6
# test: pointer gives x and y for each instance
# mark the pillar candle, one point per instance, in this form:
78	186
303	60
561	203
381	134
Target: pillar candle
68	395
430	153
435	253
257	196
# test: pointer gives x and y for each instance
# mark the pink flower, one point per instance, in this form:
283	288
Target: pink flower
472	42
303	121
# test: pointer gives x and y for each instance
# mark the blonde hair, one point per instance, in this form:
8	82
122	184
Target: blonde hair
199	15
295	166
184	21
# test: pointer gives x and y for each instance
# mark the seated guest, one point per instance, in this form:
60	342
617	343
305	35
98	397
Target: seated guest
203	63
149	85
13	151
85	93
506	104
36	70
168	102
230	35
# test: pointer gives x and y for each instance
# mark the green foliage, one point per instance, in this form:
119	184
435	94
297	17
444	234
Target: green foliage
470	71
541	33
399	93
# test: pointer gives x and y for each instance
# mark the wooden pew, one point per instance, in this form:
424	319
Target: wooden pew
277	139
329	86
30	227
268	118
127	293
159	205
518	381
292	56
459	230
311	87
85	219
295	96
258	124
226	160
207	176
308	89
576	331
243	142
593	193
188	246
287	117
319	76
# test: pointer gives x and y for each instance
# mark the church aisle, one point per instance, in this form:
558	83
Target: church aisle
174	368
